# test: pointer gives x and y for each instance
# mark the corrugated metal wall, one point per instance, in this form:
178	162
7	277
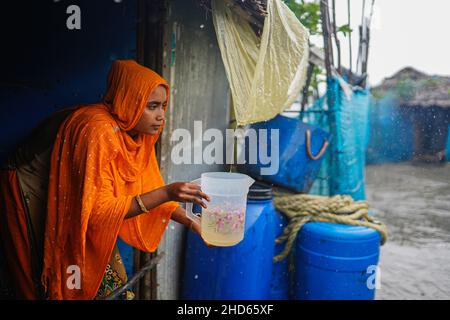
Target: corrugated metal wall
200	92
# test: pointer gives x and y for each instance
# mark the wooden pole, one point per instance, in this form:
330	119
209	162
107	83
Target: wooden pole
336	39
350	76
306	88
361	39
327	44
328	50
367	43
316	87
366	55
371	12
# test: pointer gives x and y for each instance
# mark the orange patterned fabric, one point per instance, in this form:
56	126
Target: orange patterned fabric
96	170
14	236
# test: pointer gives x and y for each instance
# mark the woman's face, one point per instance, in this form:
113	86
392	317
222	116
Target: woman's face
153	117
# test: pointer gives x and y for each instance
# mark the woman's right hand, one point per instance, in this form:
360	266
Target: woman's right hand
186	192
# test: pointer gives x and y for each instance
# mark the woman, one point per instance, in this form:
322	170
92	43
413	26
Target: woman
90	177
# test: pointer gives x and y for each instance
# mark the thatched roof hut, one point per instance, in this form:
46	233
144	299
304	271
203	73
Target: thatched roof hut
425	99
416	89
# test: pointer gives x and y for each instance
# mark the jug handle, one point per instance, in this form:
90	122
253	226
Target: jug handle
189	206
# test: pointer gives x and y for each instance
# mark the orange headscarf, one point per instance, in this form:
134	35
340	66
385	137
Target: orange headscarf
96	170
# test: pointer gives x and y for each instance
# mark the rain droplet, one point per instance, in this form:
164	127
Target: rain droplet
202	26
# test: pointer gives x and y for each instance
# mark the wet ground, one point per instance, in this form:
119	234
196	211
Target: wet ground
414	202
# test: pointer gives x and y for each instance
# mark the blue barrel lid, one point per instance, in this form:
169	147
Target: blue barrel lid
340	231
260	191
339	240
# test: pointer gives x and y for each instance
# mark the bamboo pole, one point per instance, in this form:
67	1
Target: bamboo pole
367	43
306	88
350	76
364	61
328	48
336	39
361	40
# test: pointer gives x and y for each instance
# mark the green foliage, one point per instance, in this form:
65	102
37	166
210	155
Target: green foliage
308	13
377	94
345	29
405	89
430	83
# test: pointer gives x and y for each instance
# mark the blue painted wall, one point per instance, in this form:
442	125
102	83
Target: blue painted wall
45	67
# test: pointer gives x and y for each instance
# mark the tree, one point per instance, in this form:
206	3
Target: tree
308	12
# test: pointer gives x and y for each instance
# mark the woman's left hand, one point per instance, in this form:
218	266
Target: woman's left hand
180	216
195	227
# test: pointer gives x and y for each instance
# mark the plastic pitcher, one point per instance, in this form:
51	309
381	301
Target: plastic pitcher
222	223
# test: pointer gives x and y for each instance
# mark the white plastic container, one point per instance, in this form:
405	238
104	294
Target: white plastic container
222	223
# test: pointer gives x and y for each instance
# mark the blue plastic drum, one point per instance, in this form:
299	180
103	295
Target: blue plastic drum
242	271
336	262
280	282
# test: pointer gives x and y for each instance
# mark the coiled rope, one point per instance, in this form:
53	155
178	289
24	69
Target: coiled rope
341	209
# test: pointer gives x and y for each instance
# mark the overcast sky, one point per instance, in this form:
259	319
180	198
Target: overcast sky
404	33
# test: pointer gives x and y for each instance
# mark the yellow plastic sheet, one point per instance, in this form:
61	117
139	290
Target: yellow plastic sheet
265	74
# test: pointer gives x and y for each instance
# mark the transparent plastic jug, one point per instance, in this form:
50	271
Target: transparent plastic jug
222	223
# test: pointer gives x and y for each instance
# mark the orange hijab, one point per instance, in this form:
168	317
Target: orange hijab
96	170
